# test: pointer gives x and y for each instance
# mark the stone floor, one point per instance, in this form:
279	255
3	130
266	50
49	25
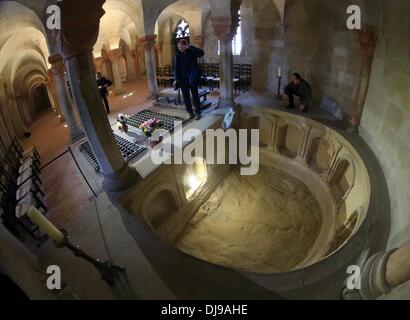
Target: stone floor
92	223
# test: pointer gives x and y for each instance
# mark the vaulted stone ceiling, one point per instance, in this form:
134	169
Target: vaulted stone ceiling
194	11
122	21
23	47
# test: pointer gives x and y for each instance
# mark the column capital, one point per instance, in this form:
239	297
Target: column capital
99	59
225	27
57	64
147	42
198	40
80	26
198	37
114	54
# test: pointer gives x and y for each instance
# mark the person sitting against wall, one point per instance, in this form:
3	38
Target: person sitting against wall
188	75
300	88
103	85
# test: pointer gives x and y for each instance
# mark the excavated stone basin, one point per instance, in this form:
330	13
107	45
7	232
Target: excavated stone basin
298	223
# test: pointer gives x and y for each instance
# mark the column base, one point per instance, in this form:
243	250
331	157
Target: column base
226	104
76	135
121	180
353	128
119	92
153	95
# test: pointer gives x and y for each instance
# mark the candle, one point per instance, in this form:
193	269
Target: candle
279	72
46	226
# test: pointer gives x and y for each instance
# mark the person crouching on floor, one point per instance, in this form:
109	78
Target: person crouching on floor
300	88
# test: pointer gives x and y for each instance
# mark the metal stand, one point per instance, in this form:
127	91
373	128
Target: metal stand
278	95
109	272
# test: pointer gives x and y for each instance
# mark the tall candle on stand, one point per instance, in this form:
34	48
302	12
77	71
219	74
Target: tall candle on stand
279	72
45	225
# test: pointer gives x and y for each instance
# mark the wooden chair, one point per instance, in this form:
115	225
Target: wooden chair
246	77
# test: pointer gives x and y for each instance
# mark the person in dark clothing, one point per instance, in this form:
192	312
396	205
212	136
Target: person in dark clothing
103	85
188	75
300	88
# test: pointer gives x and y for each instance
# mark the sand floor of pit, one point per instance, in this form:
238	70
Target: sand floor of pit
265	223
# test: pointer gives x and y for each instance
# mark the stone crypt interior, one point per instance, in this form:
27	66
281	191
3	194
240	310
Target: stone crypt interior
332	190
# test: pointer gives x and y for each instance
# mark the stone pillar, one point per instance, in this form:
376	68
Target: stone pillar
114	56
225	29
51	82
368	40
158	48
20	127
148	43
20	265
381	273
98	64
198	41
23	106
64	100
134	55
130	63
79	17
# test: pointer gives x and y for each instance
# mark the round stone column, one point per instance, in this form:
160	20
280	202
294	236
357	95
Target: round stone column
64	100
98	64
79	17
225	30
134	55
114	56
51	82
158	48
148	43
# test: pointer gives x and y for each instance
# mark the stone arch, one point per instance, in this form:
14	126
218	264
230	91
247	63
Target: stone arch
289	139
265	125
342	178
160	205
319	154
23	64
106	67
130	69
195	176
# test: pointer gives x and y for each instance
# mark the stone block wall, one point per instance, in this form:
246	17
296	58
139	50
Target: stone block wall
386	119
314	41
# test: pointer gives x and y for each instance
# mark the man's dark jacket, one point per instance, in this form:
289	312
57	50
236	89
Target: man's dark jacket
101	85
186	67
303	90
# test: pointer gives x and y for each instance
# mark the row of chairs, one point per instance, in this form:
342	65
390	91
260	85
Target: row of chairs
242	76
165	76
20	188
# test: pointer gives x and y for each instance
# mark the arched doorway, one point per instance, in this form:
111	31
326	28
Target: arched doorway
40	101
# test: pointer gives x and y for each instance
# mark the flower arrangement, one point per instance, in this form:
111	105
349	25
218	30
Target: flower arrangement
150	126
122	119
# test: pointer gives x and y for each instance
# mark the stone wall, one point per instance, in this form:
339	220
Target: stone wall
386	119
313	41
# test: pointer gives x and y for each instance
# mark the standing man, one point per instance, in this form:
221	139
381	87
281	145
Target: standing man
187	75
300	88
103	85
